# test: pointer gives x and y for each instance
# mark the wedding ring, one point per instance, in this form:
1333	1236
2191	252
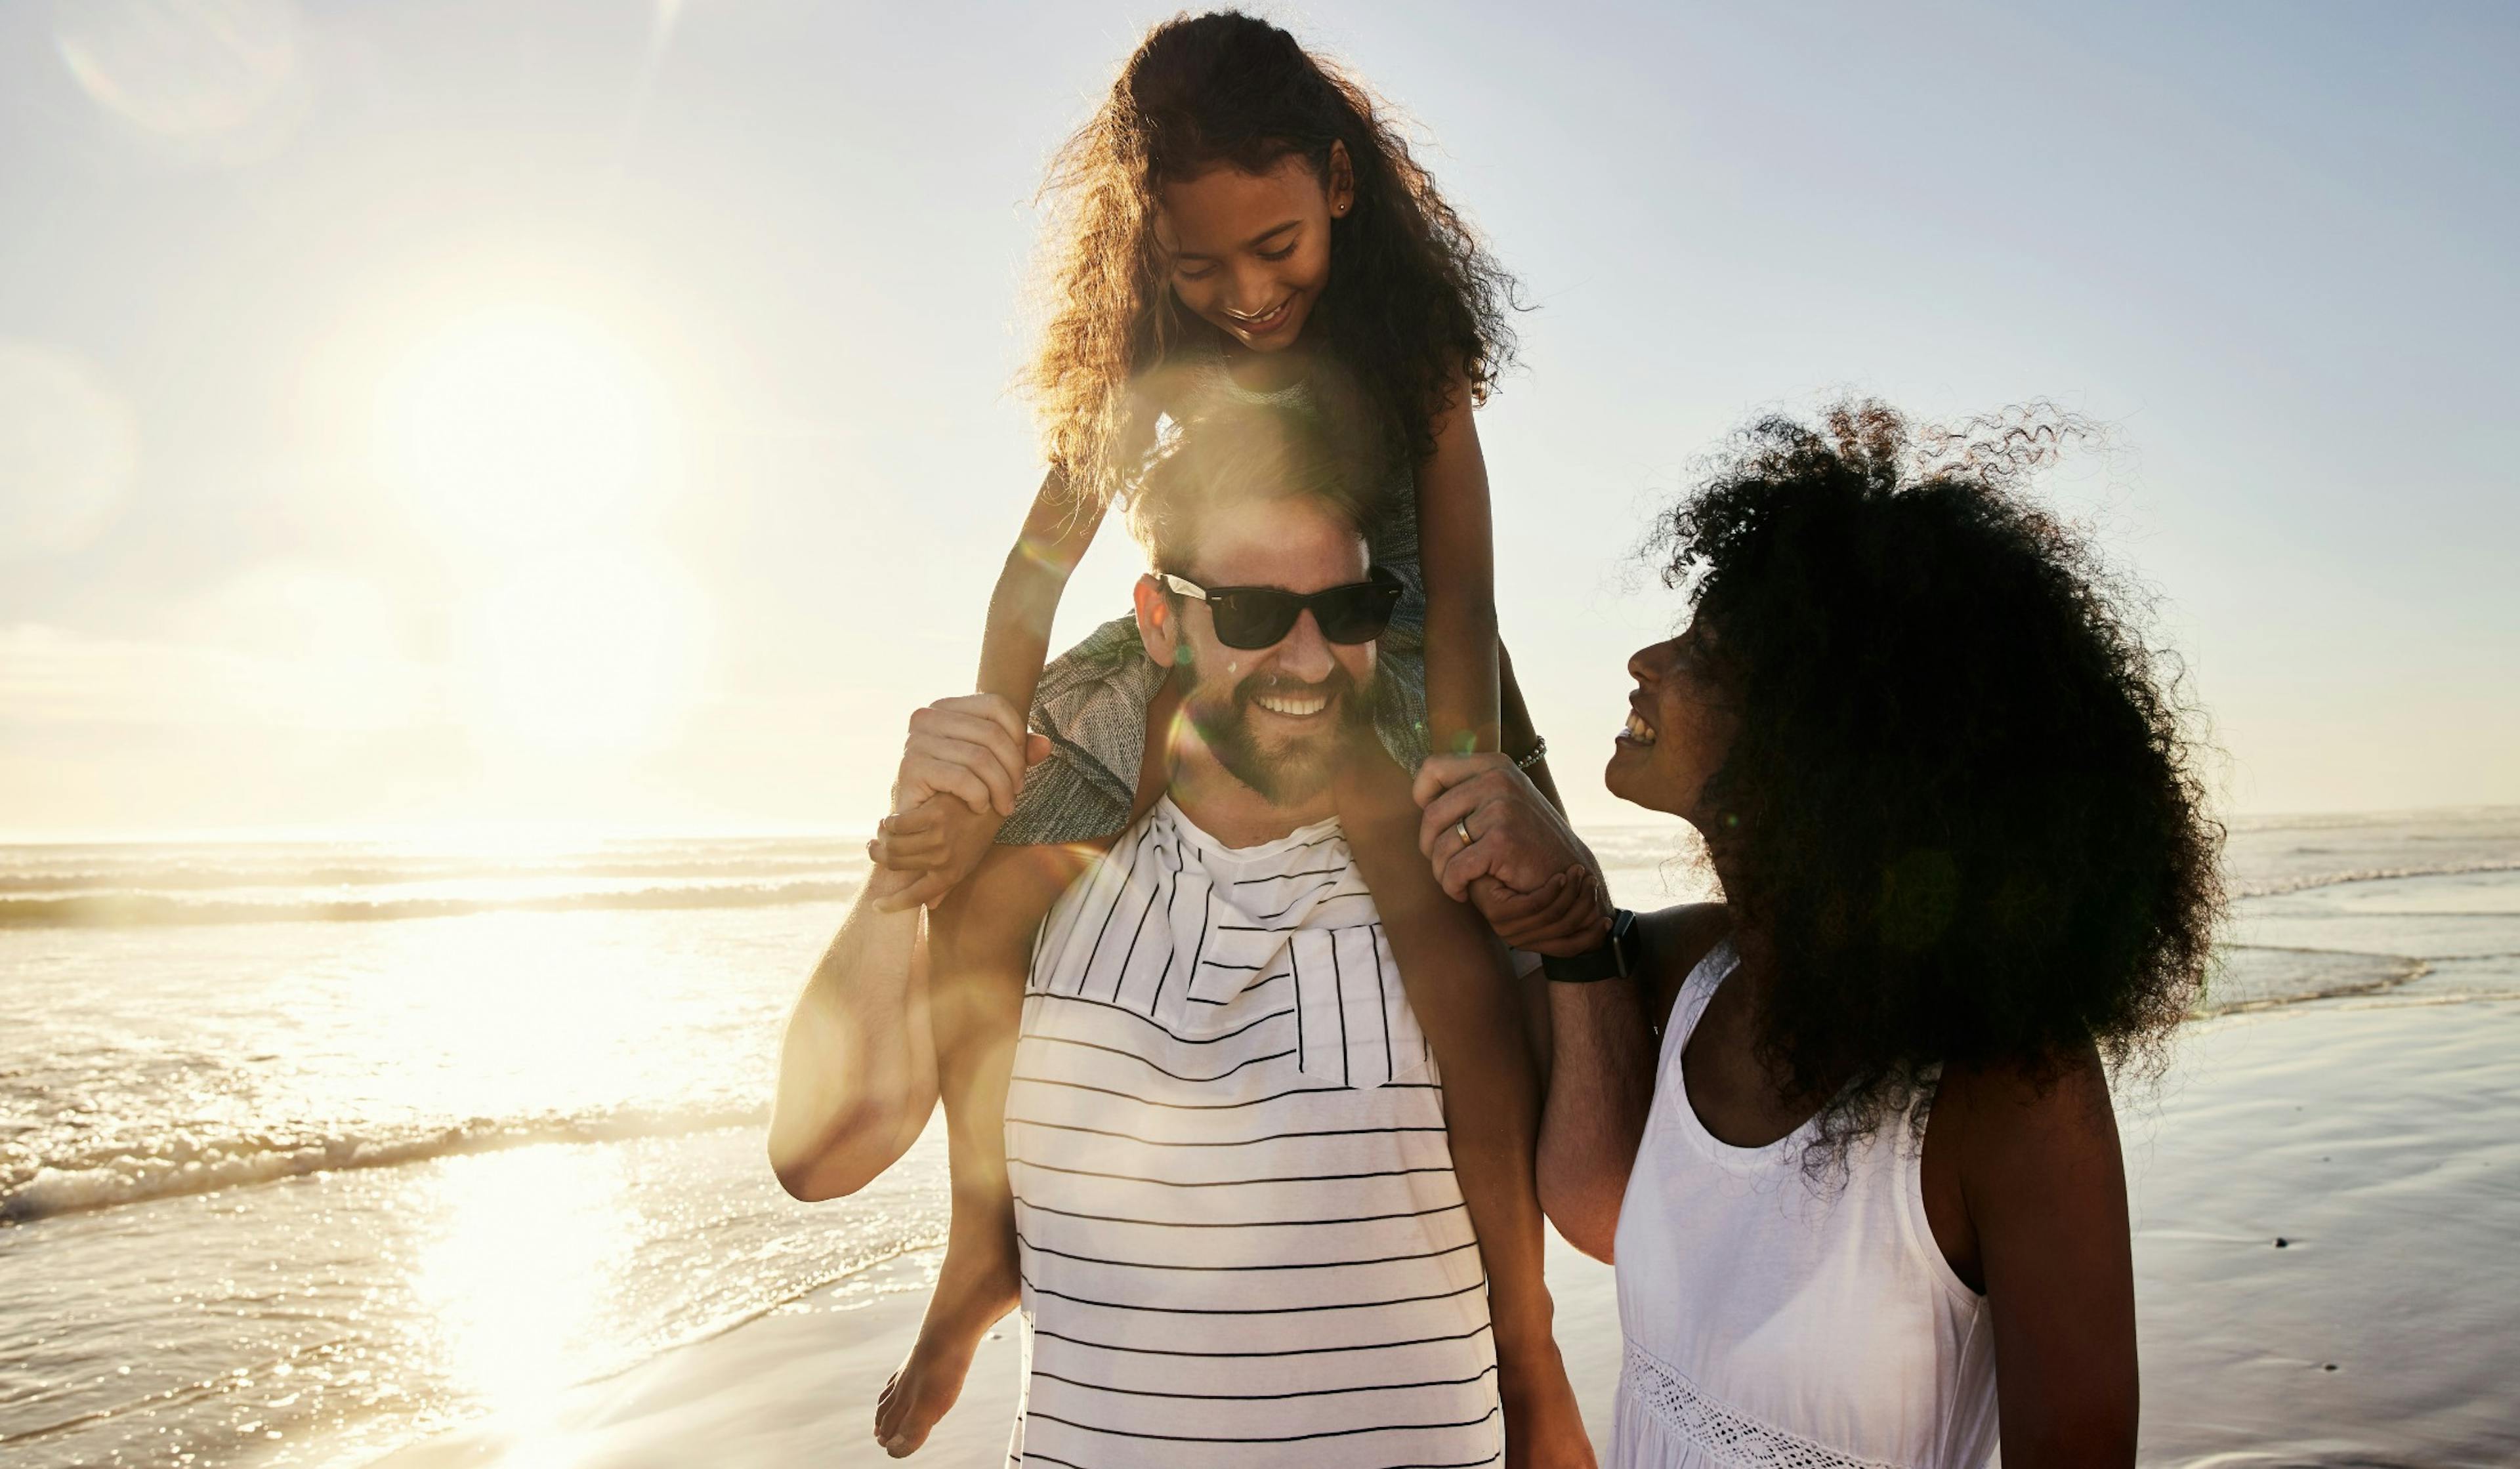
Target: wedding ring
1463	828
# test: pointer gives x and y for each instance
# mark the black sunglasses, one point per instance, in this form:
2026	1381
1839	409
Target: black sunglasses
1256	617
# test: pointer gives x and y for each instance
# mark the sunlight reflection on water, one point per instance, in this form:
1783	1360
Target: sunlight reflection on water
528	1249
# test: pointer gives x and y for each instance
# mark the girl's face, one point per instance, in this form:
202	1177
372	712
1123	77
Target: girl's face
1251	253
1680	727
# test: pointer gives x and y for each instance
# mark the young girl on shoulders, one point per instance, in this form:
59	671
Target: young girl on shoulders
1238	221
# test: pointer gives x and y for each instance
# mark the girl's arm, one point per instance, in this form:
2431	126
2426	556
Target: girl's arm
942	839
1458	544
1056	533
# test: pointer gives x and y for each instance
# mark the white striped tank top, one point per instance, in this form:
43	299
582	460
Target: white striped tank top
1241	1238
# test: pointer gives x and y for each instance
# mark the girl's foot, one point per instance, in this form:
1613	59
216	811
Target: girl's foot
972	1294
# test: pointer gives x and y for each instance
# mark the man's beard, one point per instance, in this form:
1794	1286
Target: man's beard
1299	769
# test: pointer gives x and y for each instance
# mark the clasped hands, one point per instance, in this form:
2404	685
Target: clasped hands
1495	844
1524	870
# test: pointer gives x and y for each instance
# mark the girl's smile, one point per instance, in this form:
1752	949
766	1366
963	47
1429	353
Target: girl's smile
1251	253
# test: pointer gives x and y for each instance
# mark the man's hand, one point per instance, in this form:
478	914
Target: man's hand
962	768
1523	867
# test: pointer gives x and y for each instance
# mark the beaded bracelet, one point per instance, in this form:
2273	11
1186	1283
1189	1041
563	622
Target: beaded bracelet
1539	753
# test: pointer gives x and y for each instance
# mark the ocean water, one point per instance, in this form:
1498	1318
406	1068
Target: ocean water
310	1149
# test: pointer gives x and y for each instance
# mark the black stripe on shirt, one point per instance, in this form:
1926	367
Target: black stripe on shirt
1286	876
1166	1070
1037	1288
1069	1127
1248	1101
1088	1172
1297	1264
1237	1224
1371	1387
1326	1432
1159	1026
1418	1341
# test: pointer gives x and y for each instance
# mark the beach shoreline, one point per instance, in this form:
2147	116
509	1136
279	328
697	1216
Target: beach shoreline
2342	1097
798	1385
2271	1204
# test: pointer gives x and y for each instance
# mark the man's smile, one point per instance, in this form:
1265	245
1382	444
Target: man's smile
1294	703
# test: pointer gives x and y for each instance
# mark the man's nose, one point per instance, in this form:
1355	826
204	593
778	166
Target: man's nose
1305	653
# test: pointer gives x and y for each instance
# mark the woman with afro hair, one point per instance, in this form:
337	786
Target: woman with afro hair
1847	1133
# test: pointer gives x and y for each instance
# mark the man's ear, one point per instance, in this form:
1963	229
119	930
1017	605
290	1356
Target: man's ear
1340	186
1158	622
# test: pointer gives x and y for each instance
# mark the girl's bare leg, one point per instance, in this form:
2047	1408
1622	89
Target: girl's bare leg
979	946
1469	1006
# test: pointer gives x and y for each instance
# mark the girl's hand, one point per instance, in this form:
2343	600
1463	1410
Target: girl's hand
1565	917
938	845
962	768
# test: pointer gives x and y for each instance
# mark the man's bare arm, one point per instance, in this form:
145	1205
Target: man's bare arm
857	1075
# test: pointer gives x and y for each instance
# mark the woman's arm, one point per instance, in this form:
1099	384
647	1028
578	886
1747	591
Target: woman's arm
2042	1226
1458	544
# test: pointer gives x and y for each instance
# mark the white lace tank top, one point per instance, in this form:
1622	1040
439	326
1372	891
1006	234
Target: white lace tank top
1785	1321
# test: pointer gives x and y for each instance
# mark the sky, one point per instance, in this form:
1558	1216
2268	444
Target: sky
487	413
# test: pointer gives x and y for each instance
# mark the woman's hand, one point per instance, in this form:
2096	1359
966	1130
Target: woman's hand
962	768
1521	866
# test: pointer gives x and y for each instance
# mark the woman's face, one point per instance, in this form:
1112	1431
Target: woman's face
1680	727
1251	253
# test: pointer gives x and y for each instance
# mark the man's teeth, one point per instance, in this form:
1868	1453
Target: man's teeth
1295	706
1638	730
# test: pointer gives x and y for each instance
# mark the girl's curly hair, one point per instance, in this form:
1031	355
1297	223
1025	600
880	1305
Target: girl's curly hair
1963	804
1414	304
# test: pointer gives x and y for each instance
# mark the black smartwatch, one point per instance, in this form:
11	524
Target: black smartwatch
1616	959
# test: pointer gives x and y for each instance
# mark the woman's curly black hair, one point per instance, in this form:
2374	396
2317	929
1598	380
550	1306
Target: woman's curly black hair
1414	305
1962	807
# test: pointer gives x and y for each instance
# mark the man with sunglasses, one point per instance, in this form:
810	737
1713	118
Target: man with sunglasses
1239	1231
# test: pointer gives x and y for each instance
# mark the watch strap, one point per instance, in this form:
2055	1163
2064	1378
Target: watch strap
1615	958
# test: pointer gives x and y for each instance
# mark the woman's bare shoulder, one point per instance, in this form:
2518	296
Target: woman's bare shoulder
1674	940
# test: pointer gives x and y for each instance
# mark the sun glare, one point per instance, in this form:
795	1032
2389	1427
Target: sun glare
589	654
540	451
527	1245
521	425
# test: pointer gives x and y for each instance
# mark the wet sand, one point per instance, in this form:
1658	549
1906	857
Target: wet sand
2379	1139
2326	1214
798	1387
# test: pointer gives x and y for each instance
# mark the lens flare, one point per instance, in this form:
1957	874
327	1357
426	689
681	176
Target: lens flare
222	77
69	447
